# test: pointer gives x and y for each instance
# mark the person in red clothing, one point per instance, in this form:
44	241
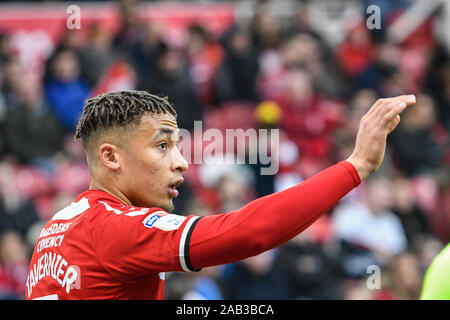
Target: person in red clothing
356	52
117	240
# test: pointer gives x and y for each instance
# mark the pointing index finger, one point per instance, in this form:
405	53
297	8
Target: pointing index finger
409	99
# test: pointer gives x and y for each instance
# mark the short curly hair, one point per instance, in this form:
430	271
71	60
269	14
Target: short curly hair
114	114
118	108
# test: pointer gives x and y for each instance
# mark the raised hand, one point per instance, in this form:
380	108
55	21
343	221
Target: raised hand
381	119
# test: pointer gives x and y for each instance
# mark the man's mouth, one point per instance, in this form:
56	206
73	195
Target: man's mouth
173	192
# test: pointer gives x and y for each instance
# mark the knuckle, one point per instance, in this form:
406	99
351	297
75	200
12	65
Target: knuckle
364	122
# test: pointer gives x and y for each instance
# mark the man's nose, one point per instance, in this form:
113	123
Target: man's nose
179	163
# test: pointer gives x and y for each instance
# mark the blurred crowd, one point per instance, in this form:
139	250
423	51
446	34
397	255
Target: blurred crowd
268	73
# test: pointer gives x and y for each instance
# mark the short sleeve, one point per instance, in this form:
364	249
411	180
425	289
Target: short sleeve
138	242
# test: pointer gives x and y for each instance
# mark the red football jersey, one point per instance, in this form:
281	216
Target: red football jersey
99	248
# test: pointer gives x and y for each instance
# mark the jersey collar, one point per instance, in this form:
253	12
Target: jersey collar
95	195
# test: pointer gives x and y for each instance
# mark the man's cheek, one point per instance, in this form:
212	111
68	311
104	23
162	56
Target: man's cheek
155	170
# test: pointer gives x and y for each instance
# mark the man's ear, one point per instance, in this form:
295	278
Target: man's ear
108	155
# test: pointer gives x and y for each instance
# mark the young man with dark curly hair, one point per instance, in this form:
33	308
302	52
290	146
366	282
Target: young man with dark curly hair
117	240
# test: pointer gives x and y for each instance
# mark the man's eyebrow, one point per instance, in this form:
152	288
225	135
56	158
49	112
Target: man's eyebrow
163	131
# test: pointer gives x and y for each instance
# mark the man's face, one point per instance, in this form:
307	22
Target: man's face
151	164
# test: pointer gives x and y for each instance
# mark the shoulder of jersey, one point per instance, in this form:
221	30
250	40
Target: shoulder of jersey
81	206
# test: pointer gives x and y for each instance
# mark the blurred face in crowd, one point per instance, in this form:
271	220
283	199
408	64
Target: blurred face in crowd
169	63
196	39
300	51
240	42
379	194
29	92
388	53
403	194
406	272
359	292
422	115
100	36
261	263
268	29
308	48
397	83
72	39
359	36
153	34
12	249
129	12
268	25
65	66
232	190
298	86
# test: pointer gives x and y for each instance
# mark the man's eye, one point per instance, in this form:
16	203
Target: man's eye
163	146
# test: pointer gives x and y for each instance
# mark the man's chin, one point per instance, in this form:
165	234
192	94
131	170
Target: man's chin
169	207
166	205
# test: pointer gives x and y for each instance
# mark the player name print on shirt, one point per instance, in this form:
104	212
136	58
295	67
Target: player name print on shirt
55	266
50	264
163	221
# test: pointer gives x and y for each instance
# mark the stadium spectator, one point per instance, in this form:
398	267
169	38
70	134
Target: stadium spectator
13	266
203	57
406	277
307	118
12	76
65	90
413	218
6	52
266	30
205	286
441	213
238	72
172	79
304	50
131	26
145	52
358	291
369	223
232	192
314	268
437	83
422	154
97	55
259	278
22	127
385	62
17	213
355	53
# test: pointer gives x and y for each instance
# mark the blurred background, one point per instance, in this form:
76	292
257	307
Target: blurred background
308	68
